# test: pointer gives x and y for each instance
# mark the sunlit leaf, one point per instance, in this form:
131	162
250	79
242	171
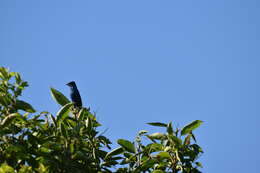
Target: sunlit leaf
114	152
127	145
5	168
187	140
188	128
82	114
18	78
64	112
88	123
59	97
156	135
4	73
8	119
163	155
153	147
54	120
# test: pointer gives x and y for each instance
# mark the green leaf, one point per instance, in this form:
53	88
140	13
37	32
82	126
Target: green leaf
114	152
5	100
3	89
169	128
25	169
8	120
187	140
64	131
177	141
22	105
193	137
59	97
18	78
104	139
24	84
64	112
163	155
42	168
142	132
5	168
199	164
54	120
72	148
158	171
158	124
188	128
127	145
4	73
82	114
157	135
153	147
88	123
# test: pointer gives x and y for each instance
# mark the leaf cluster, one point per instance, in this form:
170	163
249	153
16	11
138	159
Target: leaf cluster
173	151
70	142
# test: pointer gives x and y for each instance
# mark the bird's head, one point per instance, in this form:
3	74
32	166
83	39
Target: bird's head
71	84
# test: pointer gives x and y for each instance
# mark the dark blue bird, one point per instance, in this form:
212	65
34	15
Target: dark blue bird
74	94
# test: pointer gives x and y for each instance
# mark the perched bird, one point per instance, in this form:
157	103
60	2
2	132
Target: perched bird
74	94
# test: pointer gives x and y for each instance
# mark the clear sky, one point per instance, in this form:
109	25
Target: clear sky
141	61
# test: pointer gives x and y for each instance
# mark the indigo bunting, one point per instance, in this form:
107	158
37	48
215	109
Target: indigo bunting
74	94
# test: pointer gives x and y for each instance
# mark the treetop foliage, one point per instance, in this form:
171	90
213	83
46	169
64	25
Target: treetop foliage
69	141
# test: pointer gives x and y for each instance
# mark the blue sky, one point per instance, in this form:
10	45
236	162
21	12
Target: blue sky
142	61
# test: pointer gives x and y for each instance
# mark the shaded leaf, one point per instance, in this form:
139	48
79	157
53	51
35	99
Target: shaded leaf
64	131
188	128
158	171
5	100
169	128
141	132
54	120
22	105
158	124
24	84
18	78
177	141
199	164
193	137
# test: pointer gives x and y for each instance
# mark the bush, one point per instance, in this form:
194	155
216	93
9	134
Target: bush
70	142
